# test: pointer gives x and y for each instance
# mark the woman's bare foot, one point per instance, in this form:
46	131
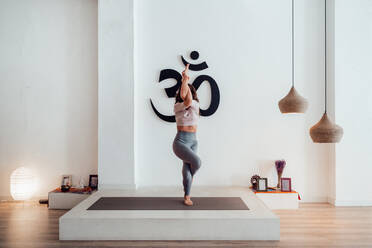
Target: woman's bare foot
187	201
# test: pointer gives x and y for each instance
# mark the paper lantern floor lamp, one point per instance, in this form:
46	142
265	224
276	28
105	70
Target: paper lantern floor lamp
22	184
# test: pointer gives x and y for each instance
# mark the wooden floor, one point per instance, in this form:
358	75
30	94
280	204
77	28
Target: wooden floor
313	225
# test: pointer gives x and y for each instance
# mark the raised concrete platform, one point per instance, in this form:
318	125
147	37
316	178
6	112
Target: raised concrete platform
283	200
257	223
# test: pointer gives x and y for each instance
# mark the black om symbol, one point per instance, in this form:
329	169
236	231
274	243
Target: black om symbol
171	91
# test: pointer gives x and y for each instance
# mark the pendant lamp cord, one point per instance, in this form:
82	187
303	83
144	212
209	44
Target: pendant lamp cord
292	43
325	56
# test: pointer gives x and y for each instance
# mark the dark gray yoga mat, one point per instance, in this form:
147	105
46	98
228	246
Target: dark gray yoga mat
168	203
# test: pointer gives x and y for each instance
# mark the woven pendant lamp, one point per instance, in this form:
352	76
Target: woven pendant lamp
293	102
325	131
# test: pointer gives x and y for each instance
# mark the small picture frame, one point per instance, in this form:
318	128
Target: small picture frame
286	184
66	180
93	181
261	185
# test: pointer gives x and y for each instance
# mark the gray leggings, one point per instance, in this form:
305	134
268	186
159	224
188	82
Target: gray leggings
185	146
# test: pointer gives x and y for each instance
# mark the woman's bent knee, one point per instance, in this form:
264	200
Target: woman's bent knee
197	164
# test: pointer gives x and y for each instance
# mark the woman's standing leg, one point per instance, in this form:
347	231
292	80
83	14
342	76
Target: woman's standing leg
188	170
191	161
187	178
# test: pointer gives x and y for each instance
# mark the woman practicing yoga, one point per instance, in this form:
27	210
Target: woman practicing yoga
185	145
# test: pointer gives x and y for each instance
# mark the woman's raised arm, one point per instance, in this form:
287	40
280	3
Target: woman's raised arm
185	89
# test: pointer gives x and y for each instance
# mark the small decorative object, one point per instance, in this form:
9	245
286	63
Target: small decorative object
43	201
254	181
279	165
22	184
65	188
261	185
93	181
286	184
326	131
66	180
81	183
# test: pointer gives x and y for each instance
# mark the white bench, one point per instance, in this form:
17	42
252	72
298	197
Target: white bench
65	200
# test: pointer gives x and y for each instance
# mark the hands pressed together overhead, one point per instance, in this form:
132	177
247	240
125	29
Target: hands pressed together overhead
185	77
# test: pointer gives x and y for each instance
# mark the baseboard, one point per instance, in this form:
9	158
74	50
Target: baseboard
9	198
6	198
117	186
320	199
357	203
349	203
332	200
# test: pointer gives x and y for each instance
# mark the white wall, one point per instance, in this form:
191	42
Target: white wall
353	101
331	93
246	44
48	90
116	94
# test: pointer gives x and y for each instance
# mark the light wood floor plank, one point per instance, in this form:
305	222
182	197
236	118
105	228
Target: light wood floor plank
312	225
